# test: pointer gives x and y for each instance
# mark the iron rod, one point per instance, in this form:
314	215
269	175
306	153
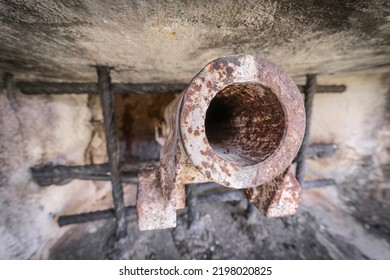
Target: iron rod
107	102
319	151
325	88
310	90
92	216
110	213
236	195
60	174
191	201
318	183
33	88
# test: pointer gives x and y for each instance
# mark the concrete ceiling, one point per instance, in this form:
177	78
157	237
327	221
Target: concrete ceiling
170	41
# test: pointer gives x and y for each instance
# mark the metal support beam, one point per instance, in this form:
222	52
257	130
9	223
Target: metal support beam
33	88
309	90
107	102
92	216
47	175
218	197
191	202
130	210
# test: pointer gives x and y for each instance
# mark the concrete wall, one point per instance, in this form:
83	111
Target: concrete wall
58	129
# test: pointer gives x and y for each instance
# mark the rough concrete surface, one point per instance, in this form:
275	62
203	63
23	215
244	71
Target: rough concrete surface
165	41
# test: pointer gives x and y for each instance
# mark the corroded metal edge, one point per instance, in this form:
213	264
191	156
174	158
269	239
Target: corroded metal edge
196	99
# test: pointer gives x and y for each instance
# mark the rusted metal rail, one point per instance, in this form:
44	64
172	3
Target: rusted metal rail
310	90
238	124
196	198
92	216
34	88
47	175
107	103
131	210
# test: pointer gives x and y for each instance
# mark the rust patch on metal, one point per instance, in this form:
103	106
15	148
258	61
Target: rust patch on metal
277	198
153	210
245	123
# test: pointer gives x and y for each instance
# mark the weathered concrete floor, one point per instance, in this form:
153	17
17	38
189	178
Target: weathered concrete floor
319	231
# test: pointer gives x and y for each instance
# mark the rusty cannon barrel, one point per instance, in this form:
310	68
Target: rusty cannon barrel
239	123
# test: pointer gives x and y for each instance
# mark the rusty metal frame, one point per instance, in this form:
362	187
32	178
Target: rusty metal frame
107	103
112	171
310	89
